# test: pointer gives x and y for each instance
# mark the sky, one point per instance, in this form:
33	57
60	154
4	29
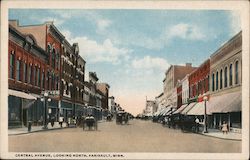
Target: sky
131	49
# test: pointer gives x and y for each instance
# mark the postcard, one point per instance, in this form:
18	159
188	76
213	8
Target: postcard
124	79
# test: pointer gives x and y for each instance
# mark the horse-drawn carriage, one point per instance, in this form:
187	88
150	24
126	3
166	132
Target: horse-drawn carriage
122	118
90	122
109	117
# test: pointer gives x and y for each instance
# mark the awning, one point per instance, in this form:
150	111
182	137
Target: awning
171	111
180	109
166	111
226	103
191	105
199	109
21	94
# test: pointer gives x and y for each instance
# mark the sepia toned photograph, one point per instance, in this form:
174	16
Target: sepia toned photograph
124	81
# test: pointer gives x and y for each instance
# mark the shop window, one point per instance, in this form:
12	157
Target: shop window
225	78
18	70
236	72
231	75
12	63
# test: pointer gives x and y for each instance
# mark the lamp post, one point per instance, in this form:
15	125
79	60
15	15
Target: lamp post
205	114
45	99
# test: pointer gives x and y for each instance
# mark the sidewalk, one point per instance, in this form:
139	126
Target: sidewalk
218	134
24	130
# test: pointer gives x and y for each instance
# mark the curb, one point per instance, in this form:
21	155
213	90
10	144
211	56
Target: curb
220	137
42	130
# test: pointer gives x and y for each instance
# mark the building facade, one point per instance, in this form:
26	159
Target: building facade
199	81
27	76
225	80
172	75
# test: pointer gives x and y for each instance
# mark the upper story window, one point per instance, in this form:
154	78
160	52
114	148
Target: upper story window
18	70
213	82
225	77
53	58
231	75
35	75
217	82
12	63
43	79
236	72
29	73
221	79
25	72
38	77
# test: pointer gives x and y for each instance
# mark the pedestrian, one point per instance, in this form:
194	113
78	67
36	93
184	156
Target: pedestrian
197	123
224	127
52	120
61	121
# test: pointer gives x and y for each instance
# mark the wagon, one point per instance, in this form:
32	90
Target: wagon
90	122
121	118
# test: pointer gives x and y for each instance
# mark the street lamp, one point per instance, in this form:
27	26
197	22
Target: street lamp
45	99
205	114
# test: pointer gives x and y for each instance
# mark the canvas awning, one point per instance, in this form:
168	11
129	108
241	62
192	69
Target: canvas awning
180	109
21	94
199	109
191	105
226	103
168	109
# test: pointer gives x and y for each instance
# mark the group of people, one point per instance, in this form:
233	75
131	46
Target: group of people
224	127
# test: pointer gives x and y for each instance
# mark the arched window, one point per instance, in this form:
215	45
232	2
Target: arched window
12	63
236	72
221	79
217	77
213	82
48	48
225	78
31	74
231	75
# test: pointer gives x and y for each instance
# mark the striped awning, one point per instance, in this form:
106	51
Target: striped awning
180	109
230	102
199	109
188	108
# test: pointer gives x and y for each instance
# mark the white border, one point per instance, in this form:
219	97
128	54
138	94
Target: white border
242	6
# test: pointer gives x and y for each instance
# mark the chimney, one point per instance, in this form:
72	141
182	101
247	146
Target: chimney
188	64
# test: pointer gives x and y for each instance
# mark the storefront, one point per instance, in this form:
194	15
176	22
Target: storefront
66	110
20	106
226	107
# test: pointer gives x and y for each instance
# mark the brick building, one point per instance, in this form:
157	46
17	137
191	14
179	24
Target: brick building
172	75
199	81
104	88
28	76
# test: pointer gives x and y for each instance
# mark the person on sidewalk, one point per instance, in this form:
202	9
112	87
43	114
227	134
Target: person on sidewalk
224	127
61	121
197	124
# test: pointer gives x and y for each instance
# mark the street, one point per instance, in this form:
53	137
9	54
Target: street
137	136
